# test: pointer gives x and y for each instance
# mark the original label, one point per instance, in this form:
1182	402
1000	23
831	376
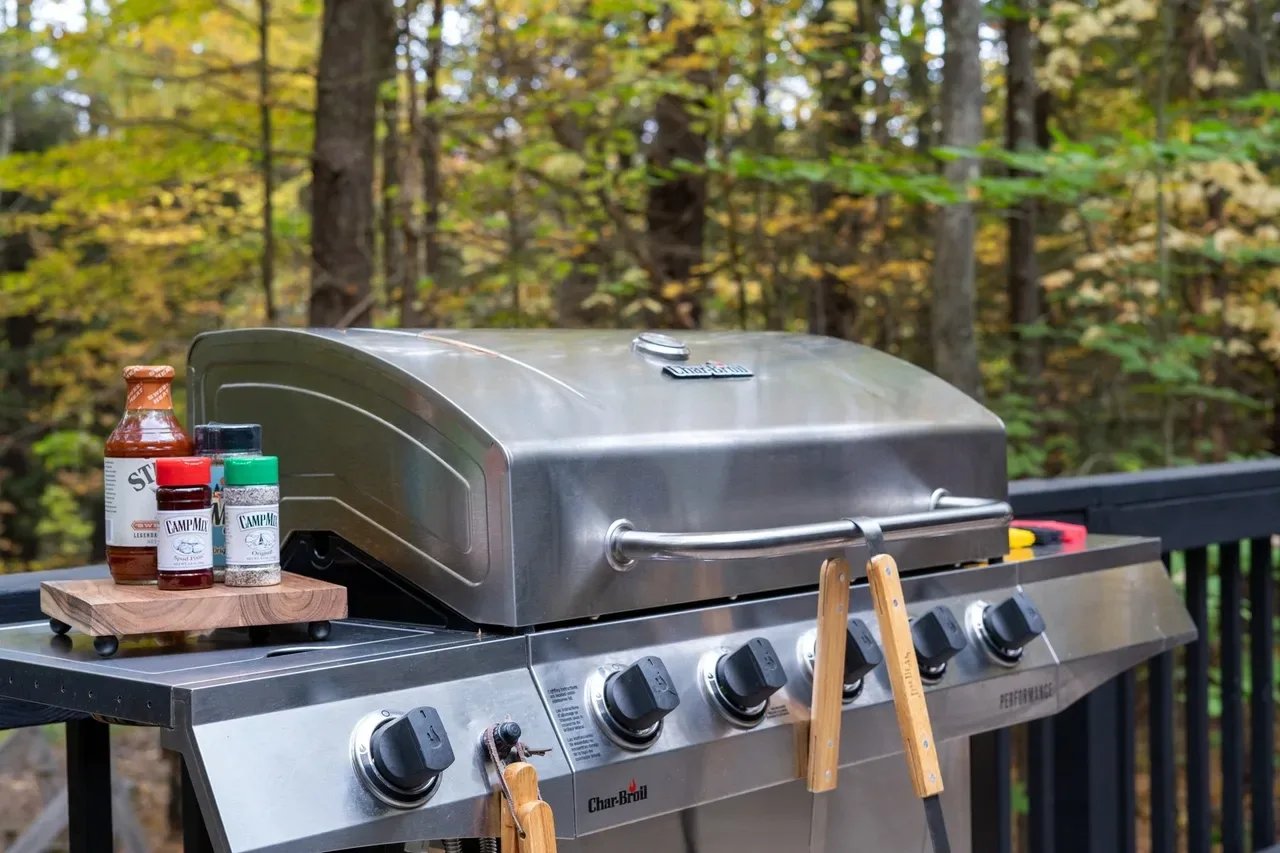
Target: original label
216	484
633	793
129	492
185	541
253	535
1026	696
709	370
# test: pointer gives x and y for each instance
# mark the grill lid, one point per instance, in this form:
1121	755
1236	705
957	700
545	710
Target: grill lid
487	466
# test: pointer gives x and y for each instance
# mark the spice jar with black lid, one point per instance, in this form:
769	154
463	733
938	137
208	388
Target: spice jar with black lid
184	516
220	441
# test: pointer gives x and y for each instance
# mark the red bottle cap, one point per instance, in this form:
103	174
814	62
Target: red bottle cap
182	471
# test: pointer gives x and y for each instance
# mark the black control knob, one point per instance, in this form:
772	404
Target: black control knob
861	654
640	695
749	676
938	638
1012	624
411	750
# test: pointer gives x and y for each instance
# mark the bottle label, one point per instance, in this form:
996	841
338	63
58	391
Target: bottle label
253	535
129	492
185	540
216	485
153	394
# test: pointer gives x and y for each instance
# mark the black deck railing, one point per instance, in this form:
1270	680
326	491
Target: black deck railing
1177	723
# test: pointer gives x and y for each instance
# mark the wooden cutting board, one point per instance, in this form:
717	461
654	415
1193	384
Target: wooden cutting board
104	608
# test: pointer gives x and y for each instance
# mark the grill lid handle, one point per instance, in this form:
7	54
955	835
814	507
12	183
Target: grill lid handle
625	546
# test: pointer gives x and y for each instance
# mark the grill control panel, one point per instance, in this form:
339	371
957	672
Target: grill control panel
705	678
642	716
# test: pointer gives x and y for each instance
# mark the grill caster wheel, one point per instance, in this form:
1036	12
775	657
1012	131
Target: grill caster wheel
258	634
106	646
319	630
58	627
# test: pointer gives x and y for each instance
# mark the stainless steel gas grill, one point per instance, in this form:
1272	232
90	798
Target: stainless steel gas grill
614	541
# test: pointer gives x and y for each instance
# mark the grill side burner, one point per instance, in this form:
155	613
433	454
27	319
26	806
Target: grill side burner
486	467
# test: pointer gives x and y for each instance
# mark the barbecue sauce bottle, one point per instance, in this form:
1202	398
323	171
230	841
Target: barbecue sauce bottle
184	511
148	430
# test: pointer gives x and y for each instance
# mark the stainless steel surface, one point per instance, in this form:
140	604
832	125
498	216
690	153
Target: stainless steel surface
625	545
272	774
701	757
267	736
139	683
873	810
485	466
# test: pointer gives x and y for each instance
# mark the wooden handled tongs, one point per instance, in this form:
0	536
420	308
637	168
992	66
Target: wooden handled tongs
904	677
533	812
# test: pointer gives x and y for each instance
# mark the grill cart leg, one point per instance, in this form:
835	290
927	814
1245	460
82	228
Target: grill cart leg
89	786
195	835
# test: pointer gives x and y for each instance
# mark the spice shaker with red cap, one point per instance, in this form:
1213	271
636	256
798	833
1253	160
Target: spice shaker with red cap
184	516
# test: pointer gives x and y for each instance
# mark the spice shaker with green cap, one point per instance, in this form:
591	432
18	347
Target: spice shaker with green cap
251	513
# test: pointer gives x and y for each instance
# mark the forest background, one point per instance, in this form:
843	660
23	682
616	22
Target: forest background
1071	210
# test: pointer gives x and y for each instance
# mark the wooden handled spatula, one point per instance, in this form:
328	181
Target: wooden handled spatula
908	693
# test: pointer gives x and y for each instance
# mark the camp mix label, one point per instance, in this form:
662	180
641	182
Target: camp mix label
252	535
186	540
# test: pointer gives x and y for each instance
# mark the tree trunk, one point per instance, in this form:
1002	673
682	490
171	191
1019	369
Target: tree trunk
410	187
1255	44
350	67
955	349
389	106
676	211
267	160
833	308
431	187
1020	135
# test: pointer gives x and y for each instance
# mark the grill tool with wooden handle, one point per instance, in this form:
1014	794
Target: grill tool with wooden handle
534	813
828	685
908	693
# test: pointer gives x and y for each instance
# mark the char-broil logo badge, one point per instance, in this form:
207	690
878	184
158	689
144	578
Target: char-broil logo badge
633	793
708	370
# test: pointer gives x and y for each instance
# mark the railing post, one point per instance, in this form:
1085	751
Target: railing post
1262	715
989	765
195	835
89	787
1040	785
1089	804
